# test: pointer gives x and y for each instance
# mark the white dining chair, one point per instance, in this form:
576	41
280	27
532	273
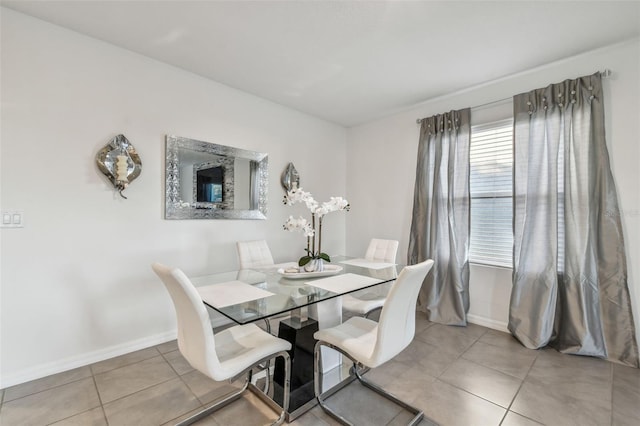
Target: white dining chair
370	344
367	301
254	254
227	355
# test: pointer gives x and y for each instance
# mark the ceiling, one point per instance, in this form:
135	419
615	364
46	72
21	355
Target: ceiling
348	62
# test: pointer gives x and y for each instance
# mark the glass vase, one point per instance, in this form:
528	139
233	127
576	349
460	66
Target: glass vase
314	265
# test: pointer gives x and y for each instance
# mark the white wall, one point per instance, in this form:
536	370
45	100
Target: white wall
76	283
382	161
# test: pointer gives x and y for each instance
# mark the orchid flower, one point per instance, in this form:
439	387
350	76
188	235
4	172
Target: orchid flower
299	224
333	205
297	195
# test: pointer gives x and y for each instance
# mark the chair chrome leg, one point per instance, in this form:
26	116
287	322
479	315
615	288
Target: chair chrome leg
267	377
366	315
317	379
418	414
217	405
267	384
267	325
237	394
286	388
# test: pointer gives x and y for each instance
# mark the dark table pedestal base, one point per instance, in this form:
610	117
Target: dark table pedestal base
301	337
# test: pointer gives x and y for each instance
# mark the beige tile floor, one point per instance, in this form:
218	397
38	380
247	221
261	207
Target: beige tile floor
458	376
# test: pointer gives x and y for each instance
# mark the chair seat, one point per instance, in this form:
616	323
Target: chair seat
362	304
356	336
243	345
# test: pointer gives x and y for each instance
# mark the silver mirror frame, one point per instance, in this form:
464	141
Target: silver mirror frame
175	209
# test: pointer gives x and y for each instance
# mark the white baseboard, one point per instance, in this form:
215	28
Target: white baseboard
488	322
43	370
81	360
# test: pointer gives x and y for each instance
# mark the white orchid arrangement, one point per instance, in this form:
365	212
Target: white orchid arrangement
297	195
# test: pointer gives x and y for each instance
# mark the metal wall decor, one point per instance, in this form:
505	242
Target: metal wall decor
119	161
290	178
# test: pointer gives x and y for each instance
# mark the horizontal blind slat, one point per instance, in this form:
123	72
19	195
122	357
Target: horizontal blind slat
491	188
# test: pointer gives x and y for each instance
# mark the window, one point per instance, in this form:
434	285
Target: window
491	187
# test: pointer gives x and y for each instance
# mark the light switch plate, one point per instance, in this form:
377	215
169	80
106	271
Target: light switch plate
12	219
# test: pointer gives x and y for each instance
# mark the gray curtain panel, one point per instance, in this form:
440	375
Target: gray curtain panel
440	223
570	274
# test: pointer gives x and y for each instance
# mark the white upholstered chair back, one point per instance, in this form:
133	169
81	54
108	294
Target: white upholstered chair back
195	336
397	324
382	250
254	254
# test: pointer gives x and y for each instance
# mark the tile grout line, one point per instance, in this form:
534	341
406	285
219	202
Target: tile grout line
138	391
102	404
156	384
492	369
104	413
535	351
81	412
201	406
464	390
507	409
170	365
124	365
460	356
39	391
612	375
474	395
518	391
73	415
496	370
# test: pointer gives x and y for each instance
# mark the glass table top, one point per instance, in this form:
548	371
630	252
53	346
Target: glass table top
283	292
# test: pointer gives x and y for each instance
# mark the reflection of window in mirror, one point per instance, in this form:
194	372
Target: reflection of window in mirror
209	185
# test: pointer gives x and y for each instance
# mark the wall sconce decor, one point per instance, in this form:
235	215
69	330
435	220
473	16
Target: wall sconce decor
290	178
119	161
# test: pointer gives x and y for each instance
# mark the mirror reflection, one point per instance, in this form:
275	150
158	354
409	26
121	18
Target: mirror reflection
210	181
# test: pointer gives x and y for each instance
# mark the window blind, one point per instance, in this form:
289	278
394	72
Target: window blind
491	187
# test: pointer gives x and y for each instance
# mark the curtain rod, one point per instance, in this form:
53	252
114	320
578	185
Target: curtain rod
604	74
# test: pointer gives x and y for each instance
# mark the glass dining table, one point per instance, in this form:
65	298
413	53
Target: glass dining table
281	290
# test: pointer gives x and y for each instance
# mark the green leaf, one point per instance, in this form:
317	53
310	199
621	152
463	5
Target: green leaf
325	256
304	260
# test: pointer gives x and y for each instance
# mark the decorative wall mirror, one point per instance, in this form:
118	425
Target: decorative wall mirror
209	181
